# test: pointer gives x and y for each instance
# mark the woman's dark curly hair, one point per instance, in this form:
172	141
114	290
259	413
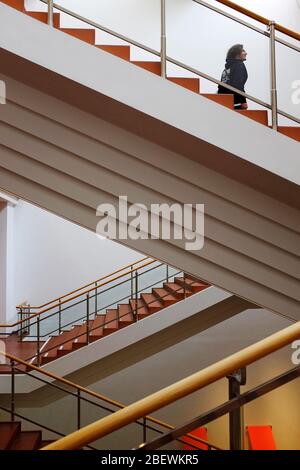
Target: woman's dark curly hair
234	51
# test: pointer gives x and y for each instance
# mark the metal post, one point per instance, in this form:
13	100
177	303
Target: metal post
274	103
78	409
59	317
21	324
87	318
131	282
184	286
163	39
167	272
136	296
236	431
144	430
12	403
96	298
38	358
50	12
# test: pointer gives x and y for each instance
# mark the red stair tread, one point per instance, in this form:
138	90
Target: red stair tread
43	17
154	67
174	289
120	51
165	296
225	99
111	320
97	326
70	336
87	35
152	303
290	131
8	433
125	314
261	438
257	115
27	440
192	84
143	311
16	4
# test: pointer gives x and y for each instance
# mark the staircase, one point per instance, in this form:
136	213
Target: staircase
124	315
88	35
13	438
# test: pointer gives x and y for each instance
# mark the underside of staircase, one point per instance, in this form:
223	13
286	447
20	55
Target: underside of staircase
104	324
123	51
72	140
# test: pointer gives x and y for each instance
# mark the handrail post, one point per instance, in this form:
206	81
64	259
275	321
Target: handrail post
38	353
59	317
235	381
274	101
96	298
50	13
12	403
136	296
87	318
163	39
167	272
78	409
144	429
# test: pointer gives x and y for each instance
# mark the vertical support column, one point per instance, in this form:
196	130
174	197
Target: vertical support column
273	79
50	13
236	431
163	39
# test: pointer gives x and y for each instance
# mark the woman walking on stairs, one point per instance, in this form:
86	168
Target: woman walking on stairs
235	74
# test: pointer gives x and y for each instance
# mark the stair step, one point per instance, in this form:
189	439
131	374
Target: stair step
97	327
82	339
223	99
87	35
111	321
292	132
43	17
120	51
143	311
27	440
258	116
70	336
153	305
125	315
16	4
154	67
166	298
8	433
174	289
192	84
191	285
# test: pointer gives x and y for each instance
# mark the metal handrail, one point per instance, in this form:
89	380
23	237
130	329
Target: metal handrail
86	285
225	408
181	389
259	18
272	28
11	325
15	360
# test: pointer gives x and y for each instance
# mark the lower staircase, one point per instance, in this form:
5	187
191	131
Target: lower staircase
124	315
88	35
12	437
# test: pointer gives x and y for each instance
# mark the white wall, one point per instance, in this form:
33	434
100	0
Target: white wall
53	256
199	37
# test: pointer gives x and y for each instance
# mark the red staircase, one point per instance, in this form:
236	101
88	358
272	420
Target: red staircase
123	52
13	438
124	315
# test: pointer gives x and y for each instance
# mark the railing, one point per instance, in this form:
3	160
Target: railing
81	395
184	388
272	27
81	306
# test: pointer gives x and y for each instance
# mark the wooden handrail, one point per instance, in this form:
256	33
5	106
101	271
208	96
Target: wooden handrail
259	18
179	390
12	325
85	286
93	394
